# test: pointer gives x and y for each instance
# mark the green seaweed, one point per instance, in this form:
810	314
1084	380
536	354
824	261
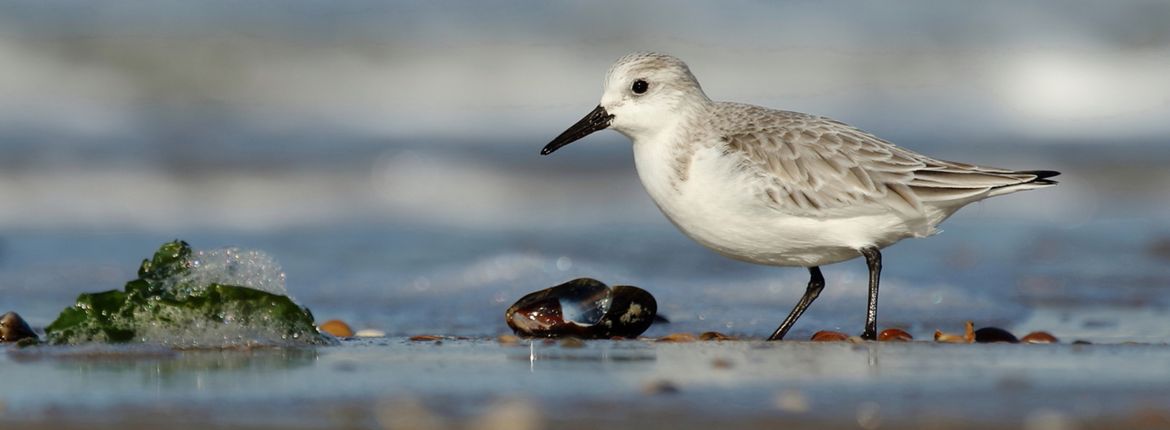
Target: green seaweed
160	298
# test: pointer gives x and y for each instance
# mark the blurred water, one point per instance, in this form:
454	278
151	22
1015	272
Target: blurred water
375	384
386	153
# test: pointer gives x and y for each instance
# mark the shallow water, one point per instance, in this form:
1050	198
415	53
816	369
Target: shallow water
1098	281
385	155
371	383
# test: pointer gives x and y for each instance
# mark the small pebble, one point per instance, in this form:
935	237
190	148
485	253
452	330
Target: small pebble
677	337
721	363
829	336
426	338
894	335
1039	337
1081	342
572	342
14	329
994	335
336	328
714	335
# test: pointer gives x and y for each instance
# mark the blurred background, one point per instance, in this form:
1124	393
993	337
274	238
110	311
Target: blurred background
386	153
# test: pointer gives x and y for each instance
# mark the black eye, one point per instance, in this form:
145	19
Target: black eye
640	86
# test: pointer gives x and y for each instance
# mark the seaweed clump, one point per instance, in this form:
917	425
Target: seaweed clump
176	301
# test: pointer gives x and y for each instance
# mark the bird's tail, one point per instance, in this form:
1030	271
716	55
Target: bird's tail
1039	179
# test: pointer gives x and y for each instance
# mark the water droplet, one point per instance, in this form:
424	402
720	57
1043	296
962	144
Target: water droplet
564	263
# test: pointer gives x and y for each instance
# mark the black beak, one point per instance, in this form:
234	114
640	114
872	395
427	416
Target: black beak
597	120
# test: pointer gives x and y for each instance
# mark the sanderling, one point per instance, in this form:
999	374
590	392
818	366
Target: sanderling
776	187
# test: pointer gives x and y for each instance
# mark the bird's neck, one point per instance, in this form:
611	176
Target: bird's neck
661	157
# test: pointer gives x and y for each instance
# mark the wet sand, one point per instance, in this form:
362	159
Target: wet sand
481	383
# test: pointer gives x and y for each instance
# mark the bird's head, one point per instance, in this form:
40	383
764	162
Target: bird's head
643	93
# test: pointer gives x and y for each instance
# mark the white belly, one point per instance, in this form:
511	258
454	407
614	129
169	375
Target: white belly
720	208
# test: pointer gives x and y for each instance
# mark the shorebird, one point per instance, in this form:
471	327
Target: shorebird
776	187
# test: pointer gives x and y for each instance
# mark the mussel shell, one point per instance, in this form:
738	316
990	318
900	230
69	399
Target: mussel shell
584	308
13	328
993	335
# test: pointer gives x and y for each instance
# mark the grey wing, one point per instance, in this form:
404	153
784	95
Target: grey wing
814	165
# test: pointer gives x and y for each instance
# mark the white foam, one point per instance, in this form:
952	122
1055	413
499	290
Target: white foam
191	328
231	266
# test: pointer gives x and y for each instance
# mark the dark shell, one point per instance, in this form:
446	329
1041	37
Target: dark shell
583	308
994	334
13	328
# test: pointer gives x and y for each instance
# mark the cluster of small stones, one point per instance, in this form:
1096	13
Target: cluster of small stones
970	335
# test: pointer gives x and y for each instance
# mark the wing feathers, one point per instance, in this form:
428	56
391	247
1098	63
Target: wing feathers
812	165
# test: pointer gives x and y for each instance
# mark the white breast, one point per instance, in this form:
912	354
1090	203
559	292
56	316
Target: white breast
719	206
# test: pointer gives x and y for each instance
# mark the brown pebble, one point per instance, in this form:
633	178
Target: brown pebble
660	387
336	328
426	338
507	339
14	329
714	335
572	342
1039	337
829	336
677	337
894	335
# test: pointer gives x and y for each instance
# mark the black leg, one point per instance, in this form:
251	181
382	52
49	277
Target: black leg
873	259
816	283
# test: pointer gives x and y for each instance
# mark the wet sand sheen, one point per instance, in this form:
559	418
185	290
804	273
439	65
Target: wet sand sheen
379	383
